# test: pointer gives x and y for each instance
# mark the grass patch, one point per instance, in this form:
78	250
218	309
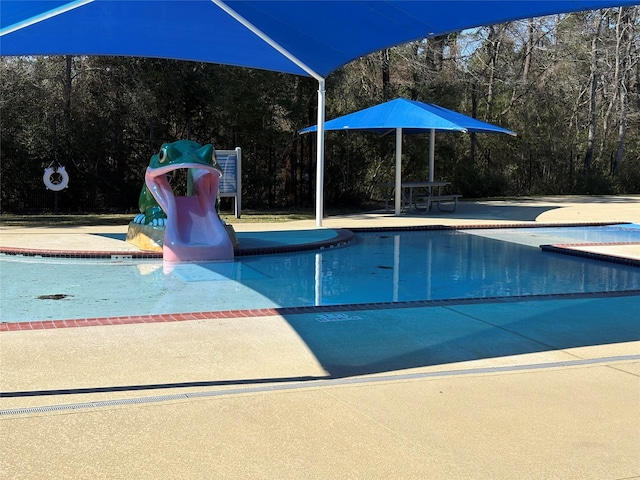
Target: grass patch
94	219
64	220
98	219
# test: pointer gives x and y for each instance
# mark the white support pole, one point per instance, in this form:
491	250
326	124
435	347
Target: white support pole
398	189
43	16
223	4
320	155
239	182
432	150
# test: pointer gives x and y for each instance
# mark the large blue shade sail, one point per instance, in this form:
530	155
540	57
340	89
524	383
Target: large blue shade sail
303	37
308	37
411	116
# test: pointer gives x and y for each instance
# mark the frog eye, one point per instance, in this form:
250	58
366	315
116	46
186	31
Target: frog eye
168	153
162	154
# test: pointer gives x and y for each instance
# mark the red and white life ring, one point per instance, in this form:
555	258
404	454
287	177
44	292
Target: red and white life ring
55	180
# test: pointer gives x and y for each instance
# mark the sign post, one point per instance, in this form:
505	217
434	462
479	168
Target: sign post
231	182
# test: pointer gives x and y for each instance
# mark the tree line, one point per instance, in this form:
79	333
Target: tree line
569	85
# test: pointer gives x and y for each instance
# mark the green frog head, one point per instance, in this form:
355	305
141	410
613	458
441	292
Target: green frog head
184	154
173	156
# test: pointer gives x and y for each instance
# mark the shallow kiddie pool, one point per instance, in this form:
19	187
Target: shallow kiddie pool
381	266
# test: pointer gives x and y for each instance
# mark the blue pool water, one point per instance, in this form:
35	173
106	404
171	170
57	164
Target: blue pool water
607	234
622	233
375	267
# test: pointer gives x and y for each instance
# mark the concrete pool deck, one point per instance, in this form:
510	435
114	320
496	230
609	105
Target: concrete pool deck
535	388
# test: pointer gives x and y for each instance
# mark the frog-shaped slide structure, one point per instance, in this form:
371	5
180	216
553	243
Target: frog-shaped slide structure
193	230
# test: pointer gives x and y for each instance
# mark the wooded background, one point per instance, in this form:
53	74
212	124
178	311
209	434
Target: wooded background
569	85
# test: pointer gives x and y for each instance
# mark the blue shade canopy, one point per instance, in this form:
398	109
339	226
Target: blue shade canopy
311	37
408	116
411	116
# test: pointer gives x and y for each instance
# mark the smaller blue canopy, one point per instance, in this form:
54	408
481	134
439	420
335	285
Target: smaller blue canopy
411	116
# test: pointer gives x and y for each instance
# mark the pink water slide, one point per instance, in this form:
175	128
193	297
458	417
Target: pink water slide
194	232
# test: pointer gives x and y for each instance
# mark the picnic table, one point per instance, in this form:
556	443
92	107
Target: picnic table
421	196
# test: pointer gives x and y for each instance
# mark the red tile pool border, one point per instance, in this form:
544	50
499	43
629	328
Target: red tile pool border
572	250
485	226
284	311
109	254
342	237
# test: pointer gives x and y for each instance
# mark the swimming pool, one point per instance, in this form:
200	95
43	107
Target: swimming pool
376	267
